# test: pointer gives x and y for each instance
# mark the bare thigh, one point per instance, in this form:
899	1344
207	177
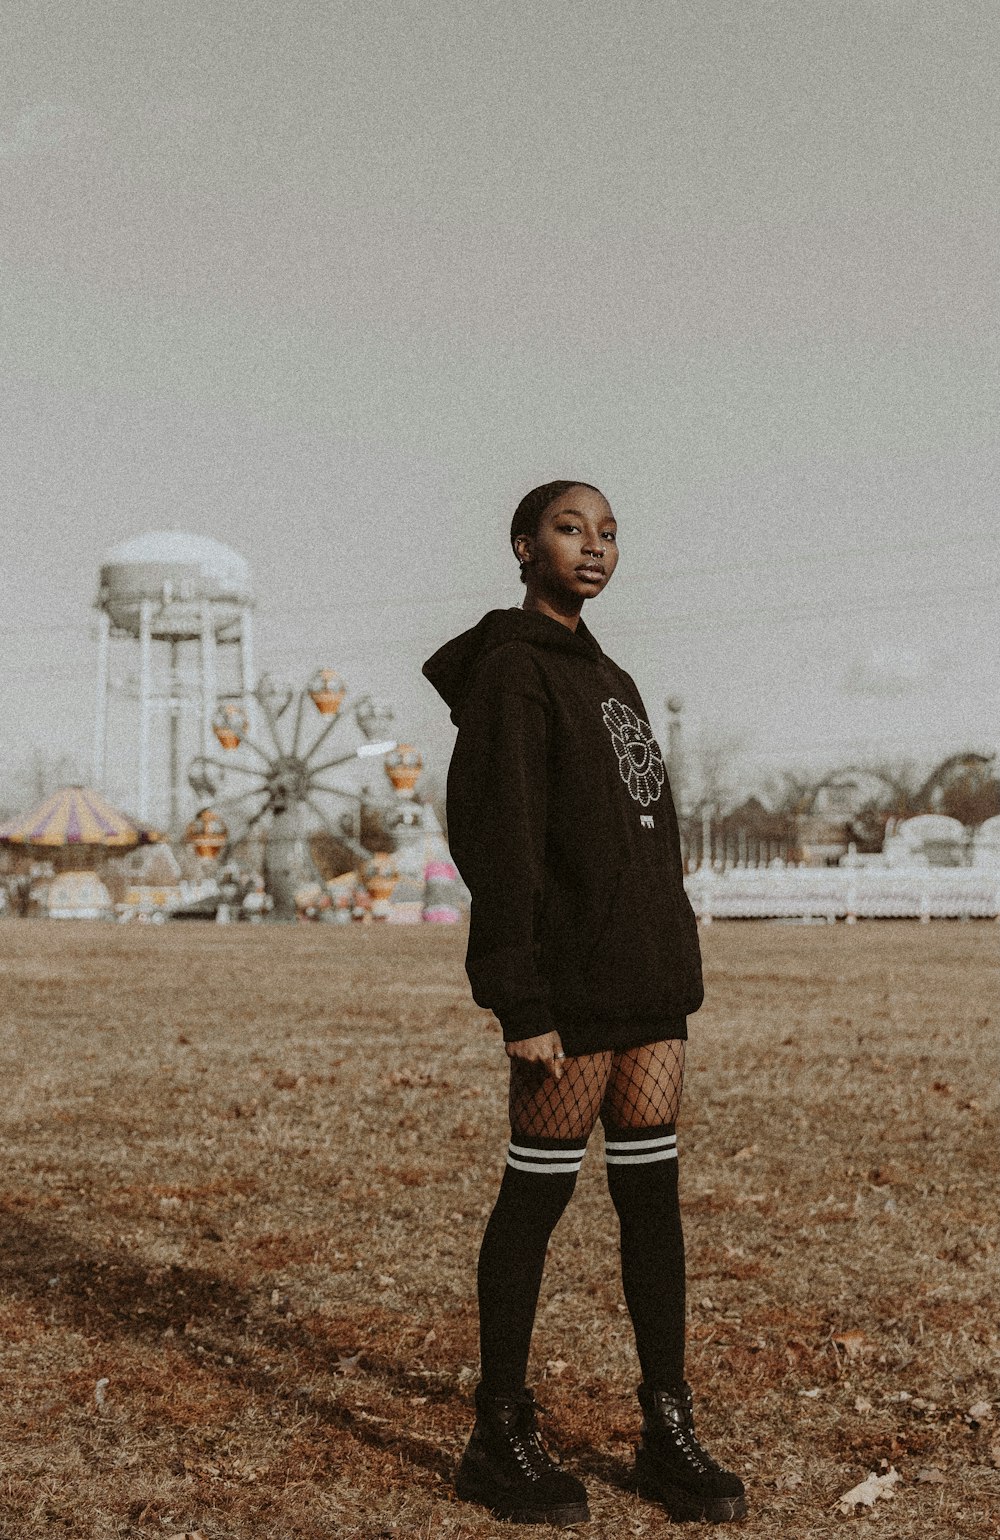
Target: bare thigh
644	1086
632	1088
542	1107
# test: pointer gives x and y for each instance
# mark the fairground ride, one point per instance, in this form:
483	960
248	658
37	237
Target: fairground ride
289	785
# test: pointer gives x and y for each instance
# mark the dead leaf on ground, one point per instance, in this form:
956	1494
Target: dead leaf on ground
931	1474
868	1492
982	1411
418	1079
555	1367
852	1342
862	1404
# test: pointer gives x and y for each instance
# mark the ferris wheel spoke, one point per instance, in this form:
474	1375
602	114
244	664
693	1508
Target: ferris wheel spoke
261	775
321	737
217	764
255	748
335	791
297	730
244	794
347	840
331	764
255	817
272	724
327	823
238	835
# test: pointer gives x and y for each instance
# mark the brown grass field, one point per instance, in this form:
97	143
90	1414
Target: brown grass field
245	1175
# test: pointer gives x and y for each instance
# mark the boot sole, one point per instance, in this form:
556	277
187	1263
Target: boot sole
561	1515
684	1508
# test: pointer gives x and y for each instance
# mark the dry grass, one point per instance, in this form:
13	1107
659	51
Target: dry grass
245	1176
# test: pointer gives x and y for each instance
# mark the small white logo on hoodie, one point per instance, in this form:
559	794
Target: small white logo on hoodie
639	757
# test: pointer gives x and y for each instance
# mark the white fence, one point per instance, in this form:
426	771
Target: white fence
844	893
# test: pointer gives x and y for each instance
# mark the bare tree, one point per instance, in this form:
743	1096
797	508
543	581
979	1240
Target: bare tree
714	773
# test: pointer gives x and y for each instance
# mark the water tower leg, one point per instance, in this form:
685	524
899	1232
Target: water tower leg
174	706
248	681
145	702
209	685
101	713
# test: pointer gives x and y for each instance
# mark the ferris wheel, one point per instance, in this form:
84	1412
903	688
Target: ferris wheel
292	783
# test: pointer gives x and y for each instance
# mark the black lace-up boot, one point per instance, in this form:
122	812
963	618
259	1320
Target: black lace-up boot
672	1468
506	1468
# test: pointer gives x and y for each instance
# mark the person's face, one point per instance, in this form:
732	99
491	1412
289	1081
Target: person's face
575	550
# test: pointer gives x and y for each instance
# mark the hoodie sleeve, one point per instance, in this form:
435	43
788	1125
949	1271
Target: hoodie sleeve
496	833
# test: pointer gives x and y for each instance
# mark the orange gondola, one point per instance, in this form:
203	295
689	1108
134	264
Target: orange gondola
403	766
206	834
327	691
230	725
381	875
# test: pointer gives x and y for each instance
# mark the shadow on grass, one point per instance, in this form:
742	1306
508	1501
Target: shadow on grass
110	1295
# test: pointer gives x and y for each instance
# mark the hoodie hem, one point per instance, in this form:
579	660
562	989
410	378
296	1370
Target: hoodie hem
617	1036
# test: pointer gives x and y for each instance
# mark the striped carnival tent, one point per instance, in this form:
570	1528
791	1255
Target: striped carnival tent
77	820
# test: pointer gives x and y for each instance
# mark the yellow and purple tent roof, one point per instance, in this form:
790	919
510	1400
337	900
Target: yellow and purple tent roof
76	815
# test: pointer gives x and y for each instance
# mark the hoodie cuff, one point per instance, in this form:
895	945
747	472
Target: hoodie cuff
530	1020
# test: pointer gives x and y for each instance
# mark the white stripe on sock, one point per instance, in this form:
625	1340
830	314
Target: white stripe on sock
639	1144
641	1160
572	1154
554	1168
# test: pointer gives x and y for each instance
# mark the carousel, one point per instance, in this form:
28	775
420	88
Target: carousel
58	846
79	821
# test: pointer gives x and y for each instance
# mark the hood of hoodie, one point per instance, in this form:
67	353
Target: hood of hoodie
452	668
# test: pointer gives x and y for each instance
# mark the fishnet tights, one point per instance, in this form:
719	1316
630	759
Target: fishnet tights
632	1088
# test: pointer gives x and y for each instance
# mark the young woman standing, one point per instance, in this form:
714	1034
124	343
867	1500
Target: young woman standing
584	945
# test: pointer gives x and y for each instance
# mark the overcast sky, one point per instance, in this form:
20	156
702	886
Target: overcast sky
337	283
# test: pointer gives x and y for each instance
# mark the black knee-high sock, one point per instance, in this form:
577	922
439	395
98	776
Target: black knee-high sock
537	1185
642	1180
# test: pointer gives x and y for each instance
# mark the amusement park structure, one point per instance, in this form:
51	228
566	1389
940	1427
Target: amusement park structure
179	609
815	821
289	781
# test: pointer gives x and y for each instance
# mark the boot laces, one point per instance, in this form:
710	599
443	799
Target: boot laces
680	1430
685	1440
529	1451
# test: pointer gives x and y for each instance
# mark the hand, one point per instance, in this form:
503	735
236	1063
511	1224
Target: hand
546	1051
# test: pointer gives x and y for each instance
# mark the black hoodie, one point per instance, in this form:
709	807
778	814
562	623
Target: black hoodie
561	822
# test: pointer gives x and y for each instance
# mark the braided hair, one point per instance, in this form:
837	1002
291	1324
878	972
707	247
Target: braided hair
531	507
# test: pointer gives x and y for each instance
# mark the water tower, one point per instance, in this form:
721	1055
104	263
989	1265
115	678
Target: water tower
180	607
